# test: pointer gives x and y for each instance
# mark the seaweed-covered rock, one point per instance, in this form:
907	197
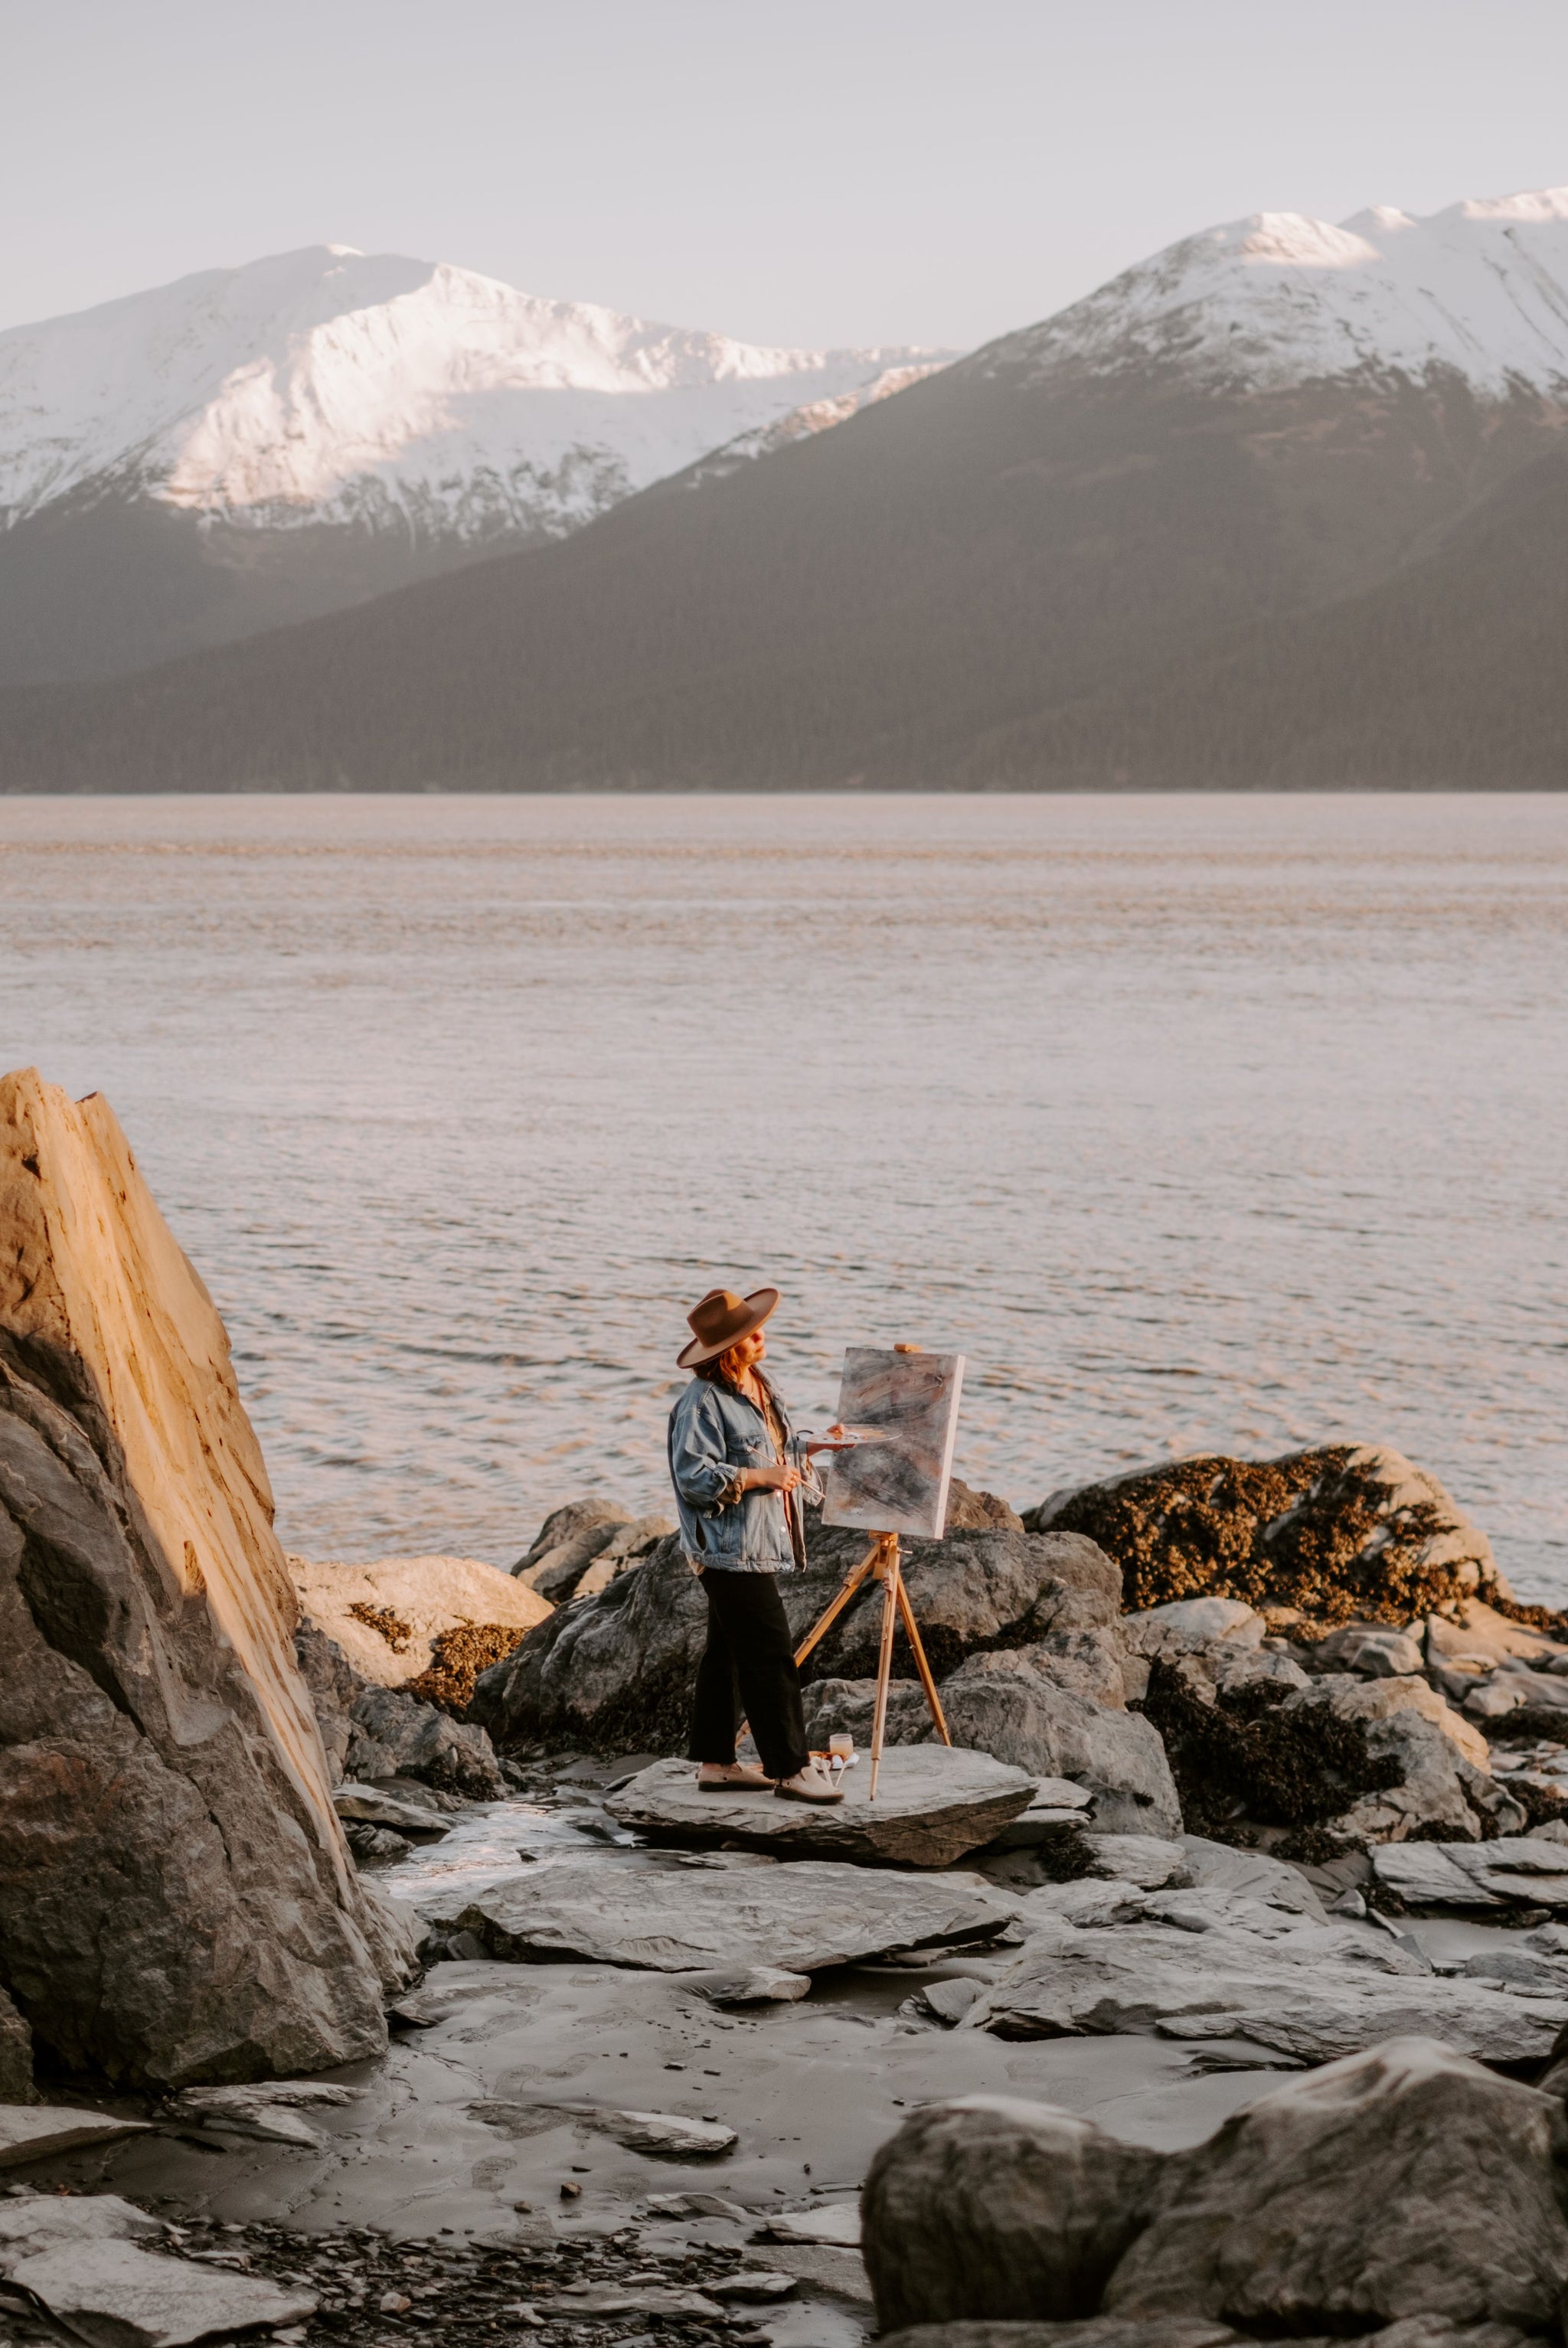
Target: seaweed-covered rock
1354	1761
995	2208
426	1624
1246	1757
177	1900
615	1672
1337	1532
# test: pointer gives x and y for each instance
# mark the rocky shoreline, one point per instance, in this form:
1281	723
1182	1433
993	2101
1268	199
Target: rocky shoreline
366	1956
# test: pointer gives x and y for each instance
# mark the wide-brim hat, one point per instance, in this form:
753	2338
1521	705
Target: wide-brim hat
722	1320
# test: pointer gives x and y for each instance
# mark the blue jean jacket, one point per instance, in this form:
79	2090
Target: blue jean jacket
714	1432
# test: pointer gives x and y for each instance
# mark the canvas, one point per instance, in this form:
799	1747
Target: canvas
898	1485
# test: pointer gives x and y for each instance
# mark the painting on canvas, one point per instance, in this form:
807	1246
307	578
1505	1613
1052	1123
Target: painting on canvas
897	1484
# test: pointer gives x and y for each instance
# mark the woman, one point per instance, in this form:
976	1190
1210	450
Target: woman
733	1461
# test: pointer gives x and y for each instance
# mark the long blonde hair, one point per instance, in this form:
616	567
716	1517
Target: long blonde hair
721	1371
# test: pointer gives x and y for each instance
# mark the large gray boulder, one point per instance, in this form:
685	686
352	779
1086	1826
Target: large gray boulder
1405	2181
370	1731
996	2209
974	1591
1341	1532
615	1672
579	1548
1404	2189
395	1735
1011	1703
177	1900
566	1544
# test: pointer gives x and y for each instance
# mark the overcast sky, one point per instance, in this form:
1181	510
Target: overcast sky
823	172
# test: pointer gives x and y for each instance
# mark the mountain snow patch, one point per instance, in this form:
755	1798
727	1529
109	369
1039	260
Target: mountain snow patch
335	385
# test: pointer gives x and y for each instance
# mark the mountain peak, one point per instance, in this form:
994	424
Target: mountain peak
1478	291
328	383
1539	204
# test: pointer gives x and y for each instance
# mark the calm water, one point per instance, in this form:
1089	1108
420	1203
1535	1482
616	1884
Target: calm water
1196	1123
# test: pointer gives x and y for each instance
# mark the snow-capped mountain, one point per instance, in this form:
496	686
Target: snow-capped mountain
335	386
1478	291
1236	516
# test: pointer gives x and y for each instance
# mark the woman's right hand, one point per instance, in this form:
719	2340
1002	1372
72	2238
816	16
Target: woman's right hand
778	1479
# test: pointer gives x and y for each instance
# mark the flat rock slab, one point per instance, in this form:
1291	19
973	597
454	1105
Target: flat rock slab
762	1986
802	1918
756	2282
1424	1876
825	2266
1515	1870
835	2227
32	2221
933	1804
267	2113
37	2131
1056	1806
634	2299
114	2295
368	1806
1225	1983
671	2132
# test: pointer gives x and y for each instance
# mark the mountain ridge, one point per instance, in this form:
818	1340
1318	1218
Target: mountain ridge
422	413
1012	575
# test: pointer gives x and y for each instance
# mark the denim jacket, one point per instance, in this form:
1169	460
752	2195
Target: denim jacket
715	1432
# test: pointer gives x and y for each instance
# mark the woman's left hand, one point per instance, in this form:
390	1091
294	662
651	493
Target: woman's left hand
771	1479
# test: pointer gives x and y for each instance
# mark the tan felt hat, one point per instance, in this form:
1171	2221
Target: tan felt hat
721	1320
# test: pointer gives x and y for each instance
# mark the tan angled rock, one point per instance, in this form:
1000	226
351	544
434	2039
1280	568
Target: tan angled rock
175	1899
388	1616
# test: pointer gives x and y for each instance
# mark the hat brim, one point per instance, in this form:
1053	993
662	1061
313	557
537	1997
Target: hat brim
763	1302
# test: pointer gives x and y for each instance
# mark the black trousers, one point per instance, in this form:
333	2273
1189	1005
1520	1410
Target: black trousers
747	1669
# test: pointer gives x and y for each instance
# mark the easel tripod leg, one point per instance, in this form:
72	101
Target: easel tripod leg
831	1614
891	1585
912	1631
882	1560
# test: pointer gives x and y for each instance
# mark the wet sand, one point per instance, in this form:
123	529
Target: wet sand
506	2097
810	2089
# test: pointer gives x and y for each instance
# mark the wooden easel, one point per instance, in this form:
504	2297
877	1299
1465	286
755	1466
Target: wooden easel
881	1563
